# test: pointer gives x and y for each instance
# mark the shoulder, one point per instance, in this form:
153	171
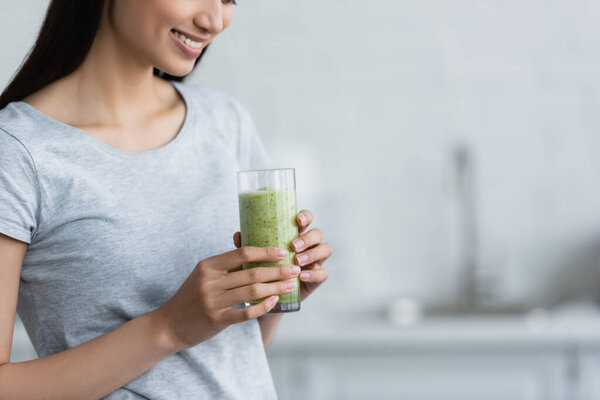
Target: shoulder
10	144
15	157
17	120
219	113
40	137
213	101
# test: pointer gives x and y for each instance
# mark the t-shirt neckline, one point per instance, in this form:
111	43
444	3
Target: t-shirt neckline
171	145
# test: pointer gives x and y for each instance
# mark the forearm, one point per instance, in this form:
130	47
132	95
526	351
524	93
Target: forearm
93	369
268	327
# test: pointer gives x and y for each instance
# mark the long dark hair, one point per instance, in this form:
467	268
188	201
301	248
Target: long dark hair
63	42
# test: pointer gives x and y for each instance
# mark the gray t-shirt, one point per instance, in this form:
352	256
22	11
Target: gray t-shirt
113	234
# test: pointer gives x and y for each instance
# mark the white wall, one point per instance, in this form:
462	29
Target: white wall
367	99
19	25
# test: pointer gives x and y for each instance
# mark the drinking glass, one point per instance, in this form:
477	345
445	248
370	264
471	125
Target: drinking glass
267	202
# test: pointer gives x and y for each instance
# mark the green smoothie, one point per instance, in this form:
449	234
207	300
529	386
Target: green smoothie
268	219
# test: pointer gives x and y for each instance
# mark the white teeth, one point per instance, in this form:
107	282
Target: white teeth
188	41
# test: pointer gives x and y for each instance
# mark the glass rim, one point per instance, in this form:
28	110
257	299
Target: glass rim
266	170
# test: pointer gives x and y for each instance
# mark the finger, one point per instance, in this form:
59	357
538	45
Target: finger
314	275
244	254
237	239
309	239
254	292
238	268
235	316
320	252
258	275
304	219
315	265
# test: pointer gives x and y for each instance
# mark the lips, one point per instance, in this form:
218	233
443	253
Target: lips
189	35
191	50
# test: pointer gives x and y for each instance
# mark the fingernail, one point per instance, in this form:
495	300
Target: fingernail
289	285
302	219
305	275
298	244
274	299
302	258
281	252
294	269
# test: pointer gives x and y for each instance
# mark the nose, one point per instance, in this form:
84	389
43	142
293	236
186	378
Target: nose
209	17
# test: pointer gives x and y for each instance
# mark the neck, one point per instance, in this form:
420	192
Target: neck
114	86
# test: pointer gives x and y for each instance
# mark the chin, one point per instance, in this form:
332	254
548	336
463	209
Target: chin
181	71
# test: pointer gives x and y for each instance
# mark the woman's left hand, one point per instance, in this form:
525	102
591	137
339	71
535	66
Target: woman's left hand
310	254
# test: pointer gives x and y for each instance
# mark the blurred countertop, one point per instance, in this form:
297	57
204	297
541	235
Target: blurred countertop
571	325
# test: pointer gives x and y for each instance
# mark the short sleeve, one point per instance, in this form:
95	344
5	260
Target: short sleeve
252	153
19	198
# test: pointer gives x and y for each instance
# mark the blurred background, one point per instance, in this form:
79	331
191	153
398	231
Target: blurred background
450	151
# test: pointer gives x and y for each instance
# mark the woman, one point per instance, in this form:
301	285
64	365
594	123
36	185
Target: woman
117	199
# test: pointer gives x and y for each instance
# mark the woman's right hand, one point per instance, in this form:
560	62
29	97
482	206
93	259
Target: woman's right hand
201	307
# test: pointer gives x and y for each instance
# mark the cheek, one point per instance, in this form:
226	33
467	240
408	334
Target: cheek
167	13
144	25
144	21
227	17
